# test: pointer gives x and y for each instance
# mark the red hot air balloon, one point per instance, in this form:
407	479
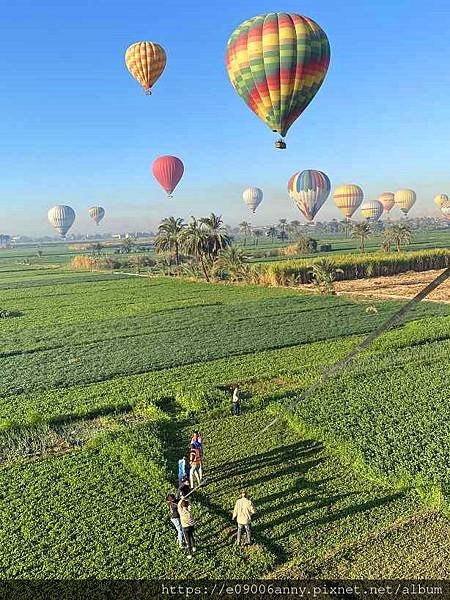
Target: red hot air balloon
168	170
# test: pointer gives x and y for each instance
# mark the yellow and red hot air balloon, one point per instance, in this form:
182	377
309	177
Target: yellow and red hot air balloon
405	200
348	198
145	61
440	199
387	200
372	210
276	63
309	190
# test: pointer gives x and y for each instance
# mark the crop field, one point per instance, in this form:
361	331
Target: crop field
105	376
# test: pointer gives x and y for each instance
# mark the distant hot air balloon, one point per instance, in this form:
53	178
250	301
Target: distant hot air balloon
348	198
252	197
309	190
372	210
440	199
387	200
145	61
61	218
96	213
405	200
445	209
168	170
276	63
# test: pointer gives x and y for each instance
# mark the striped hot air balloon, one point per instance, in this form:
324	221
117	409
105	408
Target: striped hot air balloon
440	199
445	209
372	210
61	218
96	213
309	190
276	63
405	200
387	200
252	197
348	198
145	61
168	170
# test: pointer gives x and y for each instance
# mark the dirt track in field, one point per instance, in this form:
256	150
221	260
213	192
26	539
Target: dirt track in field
402	286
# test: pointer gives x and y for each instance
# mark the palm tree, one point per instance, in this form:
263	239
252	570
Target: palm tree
346	226
194	240
324	274
246	229
257	233
96	249
127	245
219	238
232	262
397	234
272	232
168	237
294	226
361	231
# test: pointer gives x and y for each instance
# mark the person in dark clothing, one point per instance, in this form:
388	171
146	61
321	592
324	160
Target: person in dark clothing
175	517
184	488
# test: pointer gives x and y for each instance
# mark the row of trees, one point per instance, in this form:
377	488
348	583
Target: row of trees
396	235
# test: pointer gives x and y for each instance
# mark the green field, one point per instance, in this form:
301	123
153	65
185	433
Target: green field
104	376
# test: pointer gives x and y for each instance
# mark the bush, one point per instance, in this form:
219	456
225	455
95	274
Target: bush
353	266
83	262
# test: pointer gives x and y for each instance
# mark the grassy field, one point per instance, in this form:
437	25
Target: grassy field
105	376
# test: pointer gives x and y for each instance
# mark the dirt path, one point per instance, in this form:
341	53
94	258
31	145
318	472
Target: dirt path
398	287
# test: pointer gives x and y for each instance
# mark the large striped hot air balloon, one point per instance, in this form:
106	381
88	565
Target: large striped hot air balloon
371	210
96	213
252	197
348	198
387	200
277	63
145	61
168	170
405	200
440	199
309	190
61	218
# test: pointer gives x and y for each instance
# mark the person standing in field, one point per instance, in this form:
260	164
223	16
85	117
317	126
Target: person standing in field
236	402
175	517
243	511
195	461
184	488
197	441
183	468
187	523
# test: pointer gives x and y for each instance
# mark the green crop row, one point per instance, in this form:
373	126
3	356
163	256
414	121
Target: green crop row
356	266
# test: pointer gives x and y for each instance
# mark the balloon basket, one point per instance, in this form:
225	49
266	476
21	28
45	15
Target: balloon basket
148	92
280	145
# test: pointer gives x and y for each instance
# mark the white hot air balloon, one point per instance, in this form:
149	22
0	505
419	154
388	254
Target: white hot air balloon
252	197
371	210
96	213
405	200
61	218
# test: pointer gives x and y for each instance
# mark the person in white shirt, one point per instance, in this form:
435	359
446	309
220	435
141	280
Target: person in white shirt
243	511
236	402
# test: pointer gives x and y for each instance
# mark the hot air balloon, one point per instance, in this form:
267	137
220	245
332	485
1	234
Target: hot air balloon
309	190
168	170
276	63
372	210
440	199
405	200
387	200
145	61
348	198
445	209
252	197
61	218
96	213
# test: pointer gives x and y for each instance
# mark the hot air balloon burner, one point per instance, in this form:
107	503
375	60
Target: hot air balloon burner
148	92
280	144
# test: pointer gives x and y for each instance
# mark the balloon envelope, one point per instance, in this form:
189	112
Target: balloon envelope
405	200
309	190
96	213
252	197
61	218
372	210
145	61
276	63
387	200
168	170
348	198
445	209
440	199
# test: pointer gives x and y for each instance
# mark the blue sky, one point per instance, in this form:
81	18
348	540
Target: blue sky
77	129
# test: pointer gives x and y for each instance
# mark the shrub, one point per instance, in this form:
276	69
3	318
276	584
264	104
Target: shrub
83	262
